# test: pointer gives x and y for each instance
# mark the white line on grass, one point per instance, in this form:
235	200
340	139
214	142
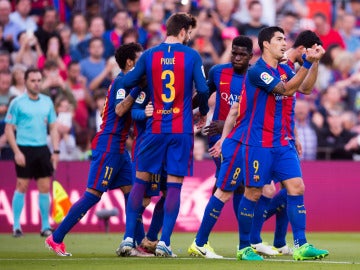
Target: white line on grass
231	259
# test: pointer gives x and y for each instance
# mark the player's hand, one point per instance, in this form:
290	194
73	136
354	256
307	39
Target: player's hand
215	127
149	109
20	159
215	151
202	122
298	147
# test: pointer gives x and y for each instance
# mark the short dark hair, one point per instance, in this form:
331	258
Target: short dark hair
31	70
93	39
128	33
320	15
266	34
178	21
307	39
243	41
125	52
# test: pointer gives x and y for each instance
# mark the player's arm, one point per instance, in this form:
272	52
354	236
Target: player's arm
228	126
201	86
291	86
308	84
125	105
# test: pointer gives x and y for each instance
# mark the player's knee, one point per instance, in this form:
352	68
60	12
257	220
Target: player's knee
295	186
222	195
253	193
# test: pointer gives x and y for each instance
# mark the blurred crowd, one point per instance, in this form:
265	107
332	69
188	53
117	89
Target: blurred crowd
73	43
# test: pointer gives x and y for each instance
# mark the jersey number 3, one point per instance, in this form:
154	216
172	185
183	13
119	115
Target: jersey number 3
169	76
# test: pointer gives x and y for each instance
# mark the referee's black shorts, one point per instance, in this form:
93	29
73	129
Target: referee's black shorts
38	162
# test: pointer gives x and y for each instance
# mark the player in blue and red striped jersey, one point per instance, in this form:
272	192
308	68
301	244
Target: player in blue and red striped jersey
141	110
264	149
110	166
225	80
171	69
268	204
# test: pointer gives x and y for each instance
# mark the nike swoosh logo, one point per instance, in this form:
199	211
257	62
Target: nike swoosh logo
300	206
216	211
202	253
221	83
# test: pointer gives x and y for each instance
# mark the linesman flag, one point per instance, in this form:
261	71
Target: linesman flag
61	202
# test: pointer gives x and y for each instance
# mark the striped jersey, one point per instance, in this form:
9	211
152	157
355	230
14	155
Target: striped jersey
227	84
114	130
171	70
139	119
265	117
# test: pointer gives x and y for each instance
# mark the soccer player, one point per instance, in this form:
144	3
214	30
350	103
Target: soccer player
110	166
268	204
226	80
141	110
171	68
26	131
264	149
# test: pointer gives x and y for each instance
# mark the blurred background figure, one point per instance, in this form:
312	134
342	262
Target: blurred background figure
306	132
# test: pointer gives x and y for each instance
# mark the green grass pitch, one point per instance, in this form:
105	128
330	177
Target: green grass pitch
97	251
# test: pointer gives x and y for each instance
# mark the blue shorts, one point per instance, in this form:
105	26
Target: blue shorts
109	171
173	149
263	164
230	174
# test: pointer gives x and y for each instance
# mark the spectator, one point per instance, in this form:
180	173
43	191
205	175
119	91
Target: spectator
18	87
77	84
130	35
289	22
347	32
203	44
254	25
326	67
67	145
5	45
333	138
21	16
121	22
331	100
11	29
199	151
326	33
99	97
48	28
133	8
4	61
92	8
53	84
55	52
95	68
306	133
65	34
79	28
5	98
349	121
97	30
29	52
221	17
